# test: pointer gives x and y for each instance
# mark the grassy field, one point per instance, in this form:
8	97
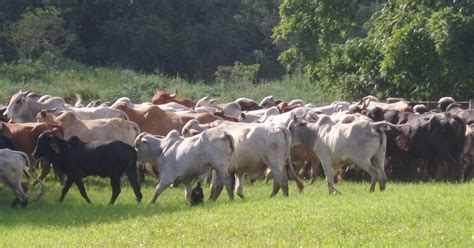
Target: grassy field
66	78
425	214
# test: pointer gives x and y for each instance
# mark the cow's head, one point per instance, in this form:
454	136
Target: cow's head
17	106
197	196
444	102
46	116
191	128
146	150
162	97
298	129
49	146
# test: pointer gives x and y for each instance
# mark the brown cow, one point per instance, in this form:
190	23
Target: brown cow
152	119
25	135
162	97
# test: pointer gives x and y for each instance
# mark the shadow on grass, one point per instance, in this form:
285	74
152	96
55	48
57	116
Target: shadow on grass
75	211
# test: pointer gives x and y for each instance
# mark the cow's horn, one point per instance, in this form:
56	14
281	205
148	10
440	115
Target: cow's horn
175	93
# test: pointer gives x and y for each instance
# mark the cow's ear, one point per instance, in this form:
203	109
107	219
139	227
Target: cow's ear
55	147
403	142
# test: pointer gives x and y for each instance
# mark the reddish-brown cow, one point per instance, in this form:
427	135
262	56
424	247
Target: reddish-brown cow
25	135
153	120
162	97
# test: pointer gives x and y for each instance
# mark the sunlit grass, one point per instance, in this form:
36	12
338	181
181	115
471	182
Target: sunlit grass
108	84
425	214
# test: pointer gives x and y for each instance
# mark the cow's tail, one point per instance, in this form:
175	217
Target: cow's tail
291	169
231	141
32	173
385	126
232	157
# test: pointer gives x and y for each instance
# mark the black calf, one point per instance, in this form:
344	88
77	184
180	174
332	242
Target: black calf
197	196
77	159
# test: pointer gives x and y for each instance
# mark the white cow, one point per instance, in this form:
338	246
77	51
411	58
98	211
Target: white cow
180	160
257	145
332	108
24	109
12	165
258	115
335	143
277	118
206	104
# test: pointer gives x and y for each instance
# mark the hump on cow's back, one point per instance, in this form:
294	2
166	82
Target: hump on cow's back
325	120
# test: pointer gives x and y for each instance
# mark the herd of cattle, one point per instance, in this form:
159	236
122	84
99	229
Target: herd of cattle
180	141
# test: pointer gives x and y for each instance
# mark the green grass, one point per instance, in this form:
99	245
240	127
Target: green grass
63	77
405	215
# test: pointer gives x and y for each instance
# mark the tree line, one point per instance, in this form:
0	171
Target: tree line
350	48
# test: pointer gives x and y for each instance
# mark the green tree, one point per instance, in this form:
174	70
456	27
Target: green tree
412	48
310	27
40	30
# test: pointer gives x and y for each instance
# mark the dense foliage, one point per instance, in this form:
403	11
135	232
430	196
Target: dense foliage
419	49
179	37
416	49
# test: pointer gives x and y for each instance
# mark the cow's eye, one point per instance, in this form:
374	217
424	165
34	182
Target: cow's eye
18	102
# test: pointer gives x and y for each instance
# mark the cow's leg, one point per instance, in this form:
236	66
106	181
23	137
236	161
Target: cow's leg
115	182
379	165
45	169
188	188
159	189
140	172
216	186
316	169
366	165
66	187
15	186
295	177
268	175
239	188
279	178
132	177
82	189
226	180
326	163
20	195
57	172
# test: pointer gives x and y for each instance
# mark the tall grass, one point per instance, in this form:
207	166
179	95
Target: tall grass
65	78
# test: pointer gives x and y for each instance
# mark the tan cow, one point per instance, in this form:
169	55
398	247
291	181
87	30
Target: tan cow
162	97
108	129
